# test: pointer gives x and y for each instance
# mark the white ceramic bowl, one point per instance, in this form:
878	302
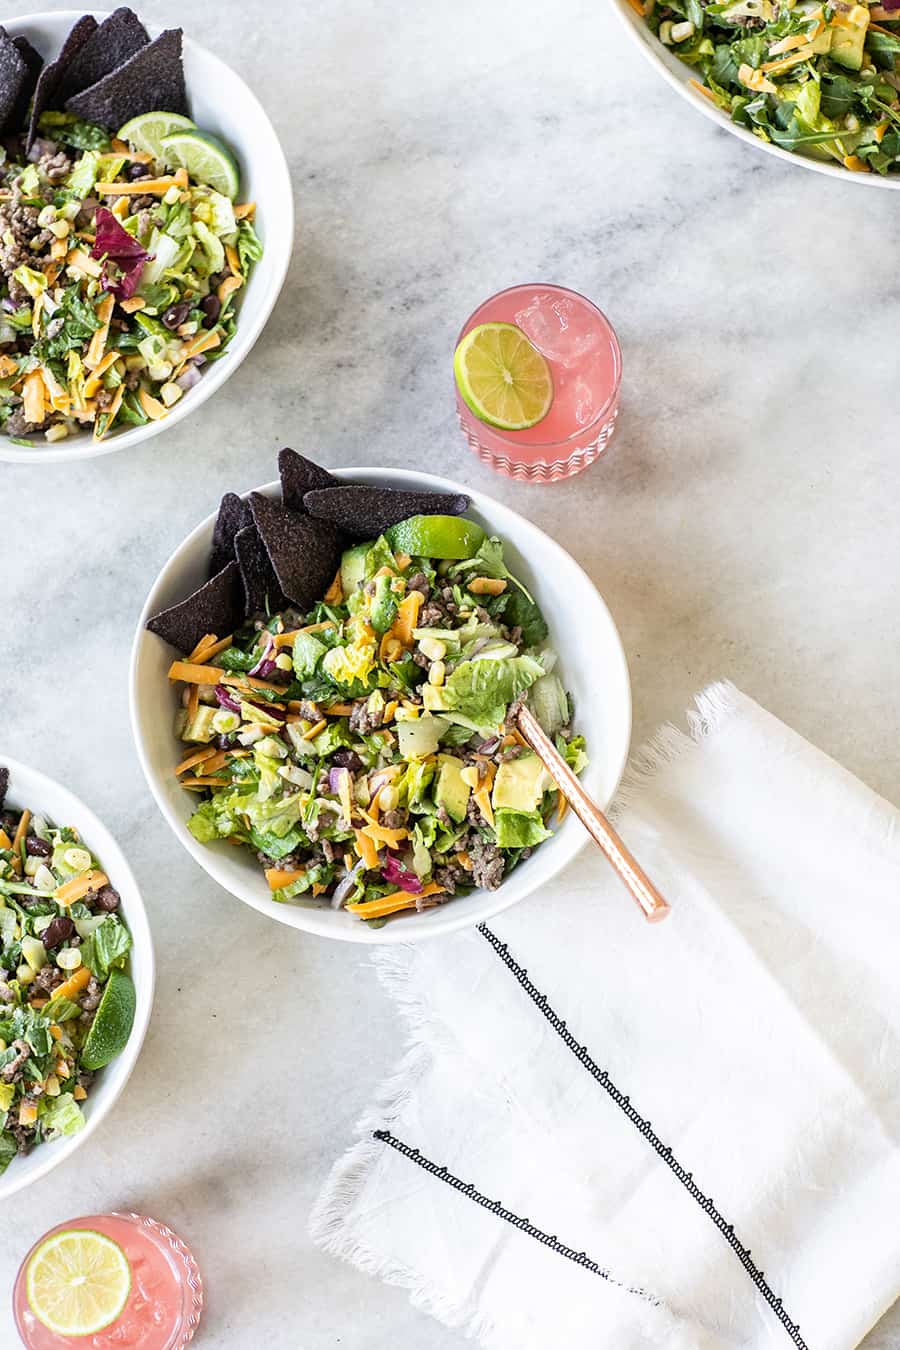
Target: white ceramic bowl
42	796
591	663
679	76
220	102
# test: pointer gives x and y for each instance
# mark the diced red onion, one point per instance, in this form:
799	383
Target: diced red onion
188	378
225	700
8	305
398	875
346	885
335	778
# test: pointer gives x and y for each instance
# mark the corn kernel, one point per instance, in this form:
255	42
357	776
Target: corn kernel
283	661
436	672
24	974
388	798
51	1085
69	958
433	648
682	31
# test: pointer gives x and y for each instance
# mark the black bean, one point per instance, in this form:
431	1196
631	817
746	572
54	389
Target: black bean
138	170
58	931
211	310
38	848
347	759
224	742
174	317
106	898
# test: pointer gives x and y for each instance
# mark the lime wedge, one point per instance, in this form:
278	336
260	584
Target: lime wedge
205	158
112	1024
503	377
78	1282
449	537
145	133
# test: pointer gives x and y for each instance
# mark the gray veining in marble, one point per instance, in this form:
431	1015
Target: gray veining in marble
743	525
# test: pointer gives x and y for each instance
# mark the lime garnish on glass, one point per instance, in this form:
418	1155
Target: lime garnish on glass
78	1282
146	131
112	1024
447	537
206	159
503	377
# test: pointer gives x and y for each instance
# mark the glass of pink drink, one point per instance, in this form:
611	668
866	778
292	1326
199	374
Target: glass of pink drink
582	351
166	1299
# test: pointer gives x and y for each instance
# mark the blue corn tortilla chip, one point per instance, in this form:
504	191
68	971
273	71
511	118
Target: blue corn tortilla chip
117	39
34	61
262	593
52	74
217	607
304	553
234	515
14	76
150	81
364	512
4	786
300	475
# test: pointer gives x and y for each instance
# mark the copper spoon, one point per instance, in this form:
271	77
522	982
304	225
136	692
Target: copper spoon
643	892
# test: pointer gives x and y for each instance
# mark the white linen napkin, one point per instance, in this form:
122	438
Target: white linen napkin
758	1029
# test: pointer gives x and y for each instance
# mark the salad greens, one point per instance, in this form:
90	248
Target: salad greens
61	940
119	278
819	79
367	749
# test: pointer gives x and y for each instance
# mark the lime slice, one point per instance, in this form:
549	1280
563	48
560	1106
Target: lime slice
78	1282
112	1025
146	132
205	158
503	377
449	537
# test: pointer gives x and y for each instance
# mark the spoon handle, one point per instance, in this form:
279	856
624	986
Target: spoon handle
651	903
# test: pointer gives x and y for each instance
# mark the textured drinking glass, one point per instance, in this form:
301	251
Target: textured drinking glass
583	353
166	1299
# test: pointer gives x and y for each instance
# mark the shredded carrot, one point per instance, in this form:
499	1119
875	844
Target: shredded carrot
366	849
206	641
155	410
5	841
335	593
74	984
83	262
97	346
154	186
197	757
562	809
192	674
407	617
339	709
638	7
278	877
78	887
381	834
21	831
396	900
245	211
226	288
702	89
109	413
193	702
204	342
33	396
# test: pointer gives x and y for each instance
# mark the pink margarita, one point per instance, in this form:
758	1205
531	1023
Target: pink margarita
165	1301
582	351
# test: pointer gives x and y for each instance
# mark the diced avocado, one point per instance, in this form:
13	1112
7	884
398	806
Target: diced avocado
200	726
383	610
35	953
848	39
419	737
451	791
520	784
353	567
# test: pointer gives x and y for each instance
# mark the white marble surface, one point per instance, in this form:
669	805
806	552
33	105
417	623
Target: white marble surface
743	525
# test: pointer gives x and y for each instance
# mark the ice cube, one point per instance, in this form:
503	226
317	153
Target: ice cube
560	328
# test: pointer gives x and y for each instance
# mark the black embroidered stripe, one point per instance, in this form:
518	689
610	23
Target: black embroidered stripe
583	1056
495	1207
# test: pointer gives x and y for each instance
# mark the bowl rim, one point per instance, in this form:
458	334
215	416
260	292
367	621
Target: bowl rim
442	921
648	44
246	335
105	845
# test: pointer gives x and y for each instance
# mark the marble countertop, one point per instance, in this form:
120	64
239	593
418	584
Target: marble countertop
743	525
